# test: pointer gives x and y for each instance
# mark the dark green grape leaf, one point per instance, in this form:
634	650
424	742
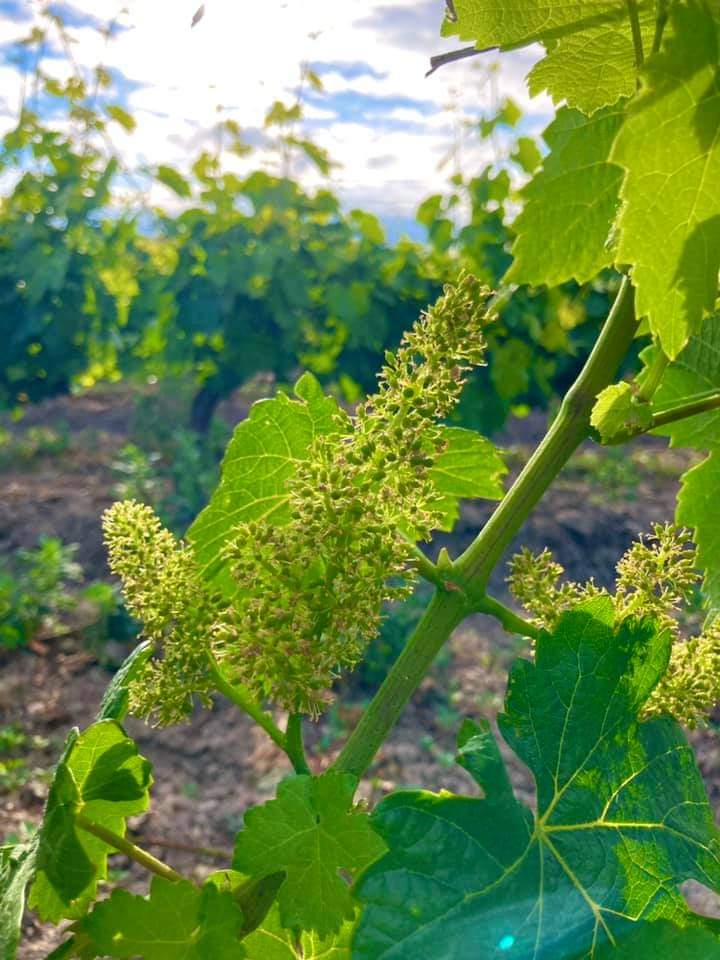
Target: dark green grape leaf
619	414
17	866
697	508
177	921
470	467
101	775
590	60
664	941
114	705
593	68
564	230
622	819
696	370
271	941
669	226
312	831
259	461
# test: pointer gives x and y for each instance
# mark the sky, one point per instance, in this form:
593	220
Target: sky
388	126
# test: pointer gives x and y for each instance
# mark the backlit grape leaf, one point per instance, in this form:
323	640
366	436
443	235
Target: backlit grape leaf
114	704
259	460
271	941
101	775
563	231
622	819
669	226
698	507
591	58
313	832
663	940
618	413
177	921
470	466
594	67
695	371
17	866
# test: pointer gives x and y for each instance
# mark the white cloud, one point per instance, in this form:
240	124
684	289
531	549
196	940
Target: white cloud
242	56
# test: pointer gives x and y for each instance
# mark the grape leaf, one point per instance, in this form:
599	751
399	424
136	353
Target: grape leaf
271	941
102	775
17	866
311	831
114	705
622	818
669	226
177	921
618	413
469	466
697	508
590	60
174	181
259	460
592	68
570	204
696	370
650	941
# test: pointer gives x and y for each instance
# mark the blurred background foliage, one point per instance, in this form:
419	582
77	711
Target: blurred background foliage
247	274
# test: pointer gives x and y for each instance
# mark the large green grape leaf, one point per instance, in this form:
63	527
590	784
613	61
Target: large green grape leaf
695	371
271	941
564	229
177	921
697	508
663	940
17	866
260	459
669	227
102	776
311	831
595	67
470	467
622	815
591	59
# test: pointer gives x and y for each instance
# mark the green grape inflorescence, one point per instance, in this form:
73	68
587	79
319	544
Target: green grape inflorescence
656	578
310	591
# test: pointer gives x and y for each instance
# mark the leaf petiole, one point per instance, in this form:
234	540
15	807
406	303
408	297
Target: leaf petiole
131	850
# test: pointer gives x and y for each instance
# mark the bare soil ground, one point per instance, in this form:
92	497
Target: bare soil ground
207	774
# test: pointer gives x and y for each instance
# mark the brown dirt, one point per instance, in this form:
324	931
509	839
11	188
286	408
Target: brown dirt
208	774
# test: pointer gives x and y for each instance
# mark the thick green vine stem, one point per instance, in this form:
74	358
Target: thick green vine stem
294	746
470	574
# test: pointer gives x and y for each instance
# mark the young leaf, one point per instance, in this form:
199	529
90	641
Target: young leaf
469	466
260	459
102	775
17	866
697	508
177	921
311	831
622	818
669	227
570	204
114	704
619	413
271	941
